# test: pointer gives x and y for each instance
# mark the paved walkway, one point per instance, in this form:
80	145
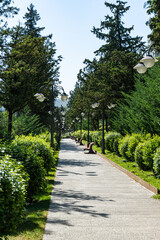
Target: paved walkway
92	200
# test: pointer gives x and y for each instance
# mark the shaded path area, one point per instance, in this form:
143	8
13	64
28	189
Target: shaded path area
92	200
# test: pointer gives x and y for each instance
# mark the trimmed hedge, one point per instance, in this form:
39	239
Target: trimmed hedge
36	157
110	139
133	142
135	147
156	162
145	152
123	146
96	137
13	183
39	146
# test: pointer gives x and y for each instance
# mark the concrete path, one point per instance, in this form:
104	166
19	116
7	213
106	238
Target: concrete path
92	200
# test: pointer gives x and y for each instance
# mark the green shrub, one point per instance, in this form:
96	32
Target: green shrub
116	144
46	136
156	162
145	152
91	136
97	138
85	135
123	146
13	182
138	155
133	141
39	146
109	140
33	165
77	134
26	123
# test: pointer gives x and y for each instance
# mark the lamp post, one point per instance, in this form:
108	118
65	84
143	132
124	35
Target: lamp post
41	98
103	141
146	62
82	115
95	105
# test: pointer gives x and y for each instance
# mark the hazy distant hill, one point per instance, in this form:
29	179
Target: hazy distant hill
59	103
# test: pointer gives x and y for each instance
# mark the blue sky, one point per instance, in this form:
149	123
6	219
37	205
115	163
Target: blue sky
71	22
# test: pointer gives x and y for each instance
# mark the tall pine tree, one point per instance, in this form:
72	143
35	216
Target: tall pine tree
32	17
153	7
115	34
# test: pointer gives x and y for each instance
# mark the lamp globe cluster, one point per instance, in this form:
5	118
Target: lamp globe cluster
146	62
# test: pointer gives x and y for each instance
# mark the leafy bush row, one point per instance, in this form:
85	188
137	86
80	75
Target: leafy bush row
13	185
24	164
141	148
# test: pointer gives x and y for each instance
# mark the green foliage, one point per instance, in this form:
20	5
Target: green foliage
33	165
141	112
3	125
114	33
13	182
153	8
156	163
6	9
116	145
31	18
26	123
123	146
37	145
103	80
28	63
133	141
37	159
84	135
144	153
97	136
110	139
139	156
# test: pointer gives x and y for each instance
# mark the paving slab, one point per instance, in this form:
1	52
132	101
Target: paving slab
92	200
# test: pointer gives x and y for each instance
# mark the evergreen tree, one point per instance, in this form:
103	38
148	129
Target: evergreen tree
25	123
113	32
32	17
6	10
141	110
27	64
153	7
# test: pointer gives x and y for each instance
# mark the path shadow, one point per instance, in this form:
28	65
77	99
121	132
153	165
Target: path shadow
76	163
71	146
71	201
62	172
91	174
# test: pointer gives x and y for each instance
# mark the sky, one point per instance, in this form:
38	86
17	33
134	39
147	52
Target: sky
71	21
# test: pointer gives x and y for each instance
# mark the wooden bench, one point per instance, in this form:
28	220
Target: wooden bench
90	149
80	141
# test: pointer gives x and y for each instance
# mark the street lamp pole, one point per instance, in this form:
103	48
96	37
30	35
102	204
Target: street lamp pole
103	141
52	117
88	130
82	115
41	98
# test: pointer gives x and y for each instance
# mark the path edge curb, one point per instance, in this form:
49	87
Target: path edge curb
131	175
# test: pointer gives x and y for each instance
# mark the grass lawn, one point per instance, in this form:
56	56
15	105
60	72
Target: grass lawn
147	176
36	214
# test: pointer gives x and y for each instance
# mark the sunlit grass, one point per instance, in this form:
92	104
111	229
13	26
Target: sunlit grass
36	214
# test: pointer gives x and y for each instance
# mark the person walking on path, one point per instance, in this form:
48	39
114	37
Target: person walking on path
92	200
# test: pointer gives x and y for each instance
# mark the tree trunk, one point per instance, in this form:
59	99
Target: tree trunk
9	124
106	124
103	141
